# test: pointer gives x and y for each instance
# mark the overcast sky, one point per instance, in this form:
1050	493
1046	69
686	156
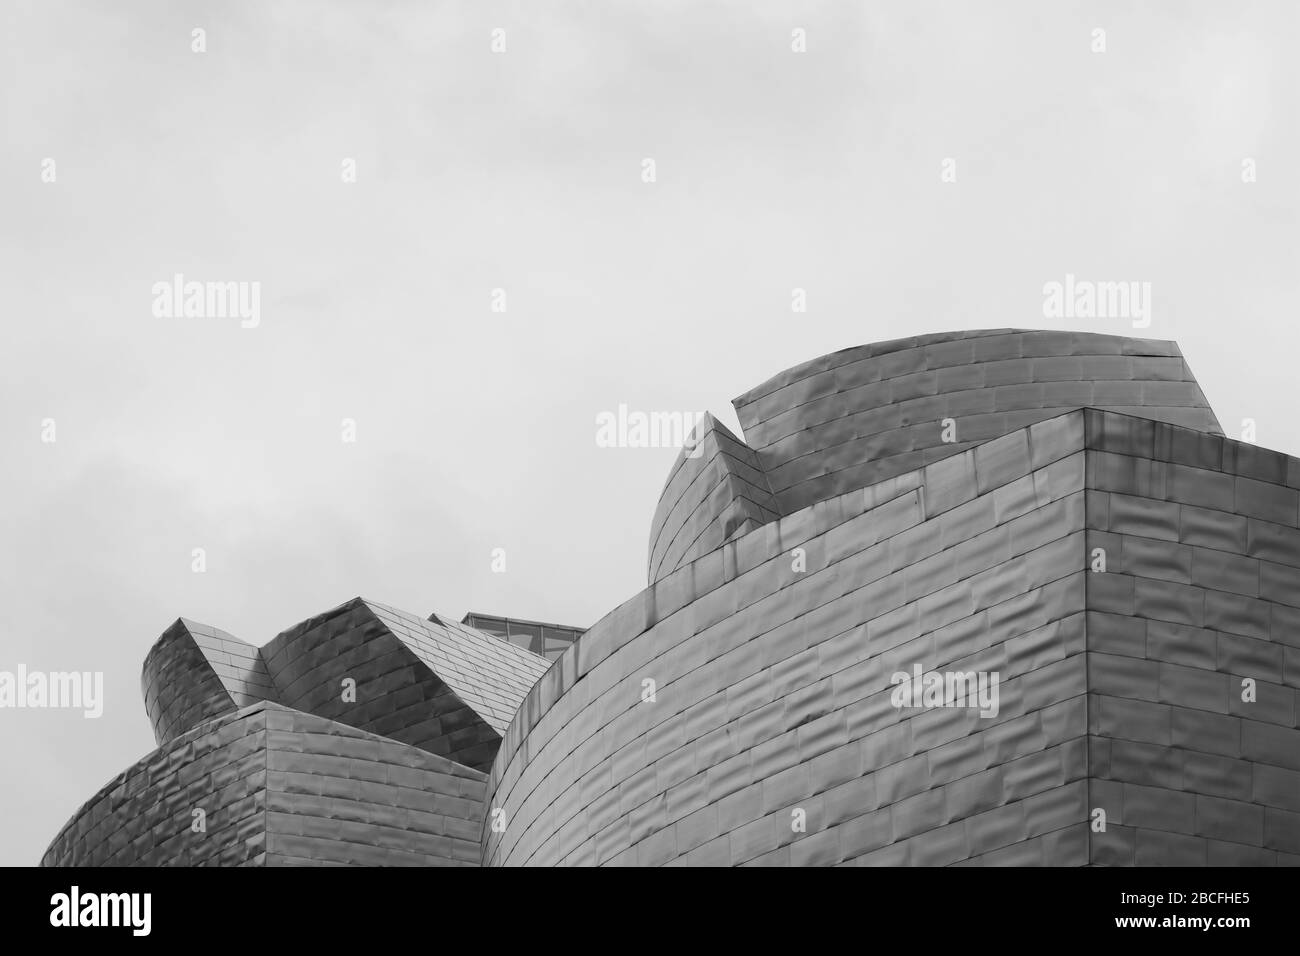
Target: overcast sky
523	171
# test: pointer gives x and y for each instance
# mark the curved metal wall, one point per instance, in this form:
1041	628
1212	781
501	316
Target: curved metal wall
853	418
180	686
849	419
771	687
446	690
1126	579
1121	689
278	788
715	491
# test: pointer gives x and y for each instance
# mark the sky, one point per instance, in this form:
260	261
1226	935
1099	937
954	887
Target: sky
129	157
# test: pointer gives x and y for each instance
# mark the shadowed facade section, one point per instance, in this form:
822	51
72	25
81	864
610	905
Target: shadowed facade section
195	673
1201	595
716	491
444	688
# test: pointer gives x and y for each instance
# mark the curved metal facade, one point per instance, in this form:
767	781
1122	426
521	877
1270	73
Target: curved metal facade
1057	512
445	688
772	696
353	738
268	786
852	418
195	673
712	495
1122	689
